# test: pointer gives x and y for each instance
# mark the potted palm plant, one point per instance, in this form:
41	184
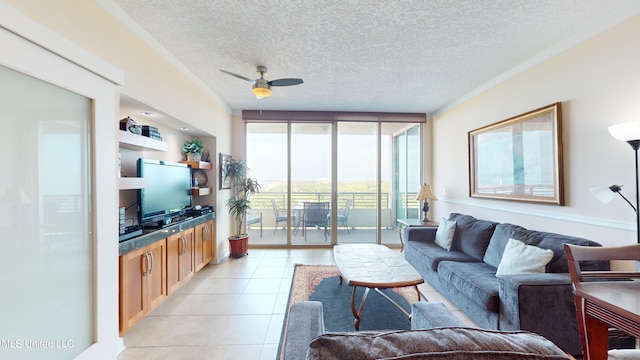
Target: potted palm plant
242	188
193	149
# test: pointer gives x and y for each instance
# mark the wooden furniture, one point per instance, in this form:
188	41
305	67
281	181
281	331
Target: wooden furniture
601	303
203	241
143	283
405	223
375	267
157	263
180	259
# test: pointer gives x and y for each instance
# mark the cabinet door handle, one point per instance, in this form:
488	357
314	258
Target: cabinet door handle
144	264
184	244
151	262
148	262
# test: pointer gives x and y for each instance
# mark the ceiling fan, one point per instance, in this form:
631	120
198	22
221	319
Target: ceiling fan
262	86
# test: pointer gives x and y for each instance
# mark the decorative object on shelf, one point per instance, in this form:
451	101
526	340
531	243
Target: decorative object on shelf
501	154
425	195
242	188
130	125
193	149
223	161
151	132
201	177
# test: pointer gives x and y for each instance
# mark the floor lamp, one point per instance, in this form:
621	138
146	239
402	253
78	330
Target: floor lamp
630	133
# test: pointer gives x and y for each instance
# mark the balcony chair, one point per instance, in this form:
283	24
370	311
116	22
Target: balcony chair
343	215
280	216
578	256
315	214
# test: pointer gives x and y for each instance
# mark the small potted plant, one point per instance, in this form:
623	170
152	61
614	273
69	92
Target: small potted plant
193	149
242	188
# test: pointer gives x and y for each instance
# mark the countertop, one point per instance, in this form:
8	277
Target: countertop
151	235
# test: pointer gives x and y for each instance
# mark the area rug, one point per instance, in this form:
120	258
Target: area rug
322	283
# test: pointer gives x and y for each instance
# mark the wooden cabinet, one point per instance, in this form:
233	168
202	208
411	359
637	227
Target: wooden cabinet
204	244
142	283
180	259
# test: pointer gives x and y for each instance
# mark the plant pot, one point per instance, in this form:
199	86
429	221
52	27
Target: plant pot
194	157
239	246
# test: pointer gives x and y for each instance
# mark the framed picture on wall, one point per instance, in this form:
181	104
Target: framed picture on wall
519	158
223	160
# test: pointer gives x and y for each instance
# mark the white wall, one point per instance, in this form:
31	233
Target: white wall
598	83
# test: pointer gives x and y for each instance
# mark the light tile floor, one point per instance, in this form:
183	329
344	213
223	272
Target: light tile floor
232	310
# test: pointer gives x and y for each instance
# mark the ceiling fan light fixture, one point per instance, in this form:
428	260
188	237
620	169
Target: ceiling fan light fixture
261	91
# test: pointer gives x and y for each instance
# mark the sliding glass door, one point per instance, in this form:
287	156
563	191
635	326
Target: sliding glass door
311	149
332	182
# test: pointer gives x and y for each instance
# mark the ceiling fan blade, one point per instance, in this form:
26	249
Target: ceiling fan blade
285	82
238	76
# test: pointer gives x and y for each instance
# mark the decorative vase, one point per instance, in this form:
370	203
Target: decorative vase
239	246
194	156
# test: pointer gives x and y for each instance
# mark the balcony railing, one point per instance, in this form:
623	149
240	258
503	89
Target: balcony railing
362	213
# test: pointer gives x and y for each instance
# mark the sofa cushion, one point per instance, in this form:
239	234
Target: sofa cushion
520	258
499	239
430	255
472	235
440	343
444	234
545	240
555	243
477	281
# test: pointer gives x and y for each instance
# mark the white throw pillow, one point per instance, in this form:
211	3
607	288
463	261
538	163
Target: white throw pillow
520	258
444	234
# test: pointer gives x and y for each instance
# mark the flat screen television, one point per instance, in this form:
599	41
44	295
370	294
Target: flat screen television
168	193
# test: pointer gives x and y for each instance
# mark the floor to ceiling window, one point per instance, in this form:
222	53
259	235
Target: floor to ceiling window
407	160
328	182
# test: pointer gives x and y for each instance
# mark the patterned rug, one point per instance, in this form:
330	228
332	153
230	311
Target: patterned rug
321	283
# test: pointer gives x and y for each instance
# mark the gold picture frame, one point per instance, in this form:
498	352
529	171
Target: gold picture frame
223	160
519	158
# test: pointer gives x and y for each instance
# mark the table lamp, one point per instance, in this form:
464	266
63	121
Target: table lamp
425	194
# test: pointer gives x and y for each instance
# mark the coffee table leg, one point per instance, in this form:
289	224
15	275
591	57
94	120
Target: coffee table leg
358	314
418	291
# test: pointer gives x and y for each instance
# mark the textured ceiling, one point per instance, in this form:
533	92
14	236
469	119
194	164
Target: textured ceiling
363	55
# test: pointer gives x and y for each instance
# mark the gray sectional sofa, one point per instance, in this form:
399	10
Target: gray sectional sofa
466	275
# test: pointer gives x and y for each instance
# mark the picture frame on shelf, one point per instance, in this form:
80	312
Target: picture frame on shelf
519	159
223	160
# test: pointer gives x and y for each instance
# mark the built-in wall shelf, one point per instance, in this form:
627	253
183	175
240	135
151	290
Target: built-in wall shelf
133	141
198	164
200	191
129	183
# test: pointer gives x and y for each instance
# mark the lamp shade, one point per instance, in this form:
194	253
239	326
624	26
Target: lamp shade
426	193
626	131
602	193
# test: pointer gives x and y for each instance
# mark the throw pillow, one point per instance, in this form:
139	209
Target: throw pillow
444	234
520	258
